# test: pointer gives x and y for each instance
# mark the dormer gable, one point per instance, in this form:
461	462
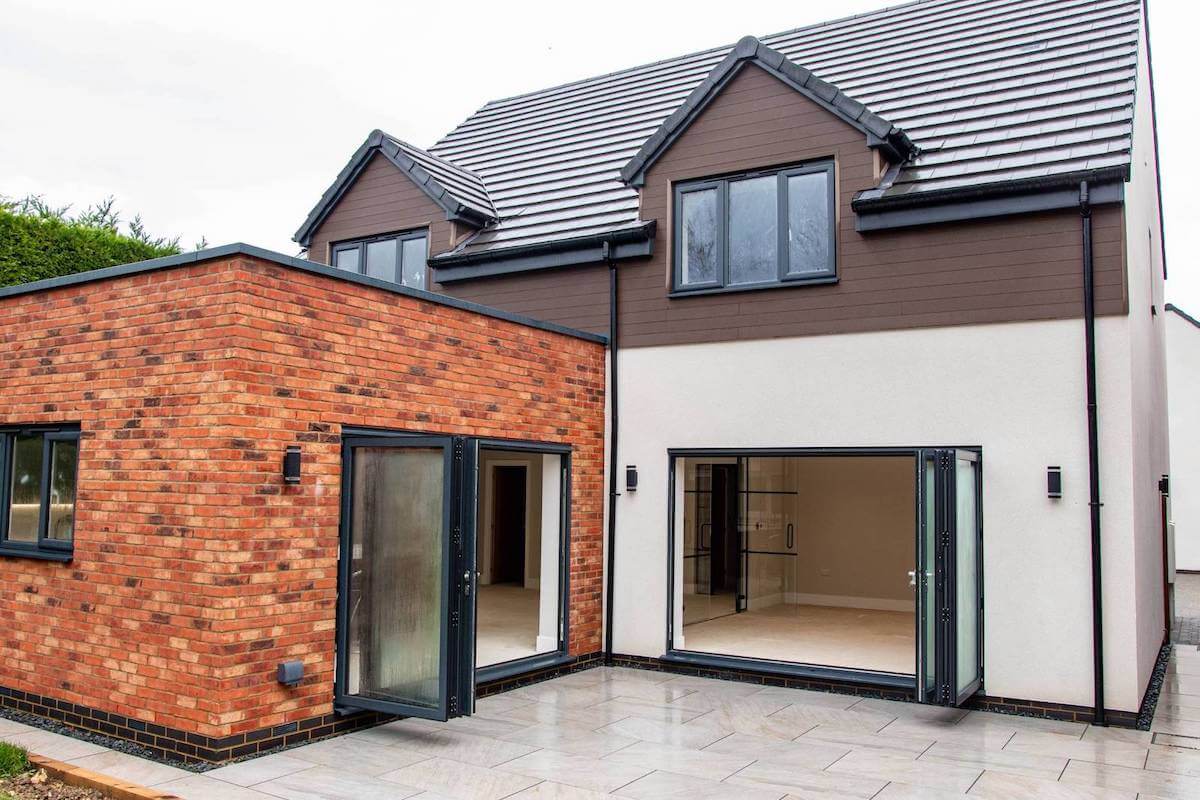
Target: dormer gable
459	193
881	135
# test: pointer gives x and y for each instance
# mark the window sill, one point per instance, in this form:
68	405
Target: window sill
62	556
824	280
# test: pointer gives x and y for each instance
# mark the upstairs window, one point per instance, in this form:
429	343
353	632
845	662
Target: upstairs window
397	258
38	474
755	230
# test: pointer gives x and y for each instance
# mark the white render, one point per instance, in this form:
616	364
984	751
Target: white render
1016	390
1183	385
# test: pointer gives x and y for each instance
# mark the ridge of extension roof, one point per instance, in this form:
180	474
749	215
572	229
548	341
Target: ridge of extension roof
880	133
995	96
1182	313
458	191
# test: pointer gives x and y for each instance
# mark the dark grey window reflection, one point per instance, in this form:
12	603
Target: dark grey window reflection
25	504
699	245
64	459
808	223
753	230
381	259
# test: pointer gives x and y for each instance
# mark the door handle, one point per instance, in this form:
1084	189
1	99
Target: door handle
467	583
912	578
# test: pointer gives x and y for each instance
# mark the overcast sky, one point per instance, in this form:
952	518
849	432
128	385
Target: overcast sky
228	120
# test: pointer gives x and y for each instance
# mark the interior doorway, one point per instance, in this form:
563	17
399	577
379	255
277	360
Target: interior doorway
509	524
520	536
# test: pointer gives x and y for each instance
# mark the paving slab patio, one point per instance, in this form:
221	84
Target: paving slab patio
613	732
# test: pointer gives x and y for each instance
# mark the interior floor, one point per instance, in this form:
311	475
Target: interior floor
700	607
883	641
506	623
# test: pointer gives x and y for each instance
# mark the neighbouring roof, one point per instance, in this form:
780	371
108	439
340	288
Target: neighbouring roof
1183	314
994	94
458	191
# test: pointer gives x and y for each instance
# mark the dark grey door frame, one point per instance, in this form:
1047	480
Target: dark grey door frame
462	500
558	656
455	695
842	674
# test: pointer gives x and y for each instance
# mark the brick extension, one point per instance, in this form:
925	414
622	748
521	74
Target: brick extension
196	569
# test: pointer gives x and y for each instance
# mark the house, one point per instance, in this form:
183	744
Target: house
1183	373
832	359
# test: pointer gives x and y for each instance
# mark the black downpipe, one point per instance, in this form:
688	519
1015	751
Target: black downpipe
1089	322
613	419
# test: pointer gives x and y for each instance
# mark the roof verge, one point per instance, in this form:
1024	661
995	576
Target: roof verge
458	192
880	133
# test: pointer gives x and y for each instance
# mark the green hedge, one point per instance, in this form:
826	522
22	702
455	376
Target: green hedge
35	247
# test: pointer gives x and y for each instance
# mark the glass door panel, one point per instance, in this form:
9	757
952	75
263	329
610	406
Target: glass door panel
923	580
949	577
397	557
967	576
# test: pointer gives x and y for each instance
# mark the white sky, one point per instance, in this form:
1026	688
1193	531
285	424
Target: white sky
229	119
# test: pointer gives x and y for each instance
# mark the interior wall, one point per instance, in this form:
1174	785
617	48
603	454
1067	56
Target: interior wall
855	531
488	460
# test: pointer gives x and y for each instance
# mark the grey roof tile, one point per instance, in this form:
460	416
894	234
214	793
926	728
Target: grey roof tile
1044	87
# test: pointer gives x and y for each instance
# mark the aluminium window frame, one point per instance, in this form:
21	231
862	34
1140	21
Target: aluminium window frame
43	548
785	277
400	237
751	665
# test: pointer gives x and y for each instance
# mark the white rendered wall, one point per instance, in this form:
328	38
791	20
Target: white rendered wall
1015	389
1183	379
1148	420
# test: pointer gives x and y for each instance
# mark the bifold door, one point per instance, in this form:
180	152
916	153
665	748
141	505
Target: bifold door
405	604
949	577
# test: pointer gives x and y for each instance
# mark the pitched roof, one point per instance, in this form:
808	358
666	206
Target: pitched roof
993	93
458	191
749	50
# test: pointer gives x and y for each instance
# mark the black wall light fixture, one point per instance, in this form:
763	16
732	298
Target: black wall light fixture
1054	481
631	478
291	464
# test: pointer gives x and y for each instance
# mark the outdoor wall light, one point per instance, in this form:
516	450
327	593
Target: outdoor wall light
291	464
1054	481
631	478
290	673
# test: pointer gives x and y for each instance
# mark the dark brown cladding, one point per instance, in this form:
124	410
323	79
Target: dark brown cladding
383	200
998	270
576	297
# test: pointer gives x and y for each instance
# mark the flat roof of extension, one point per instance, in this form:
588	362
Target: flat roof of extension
239	248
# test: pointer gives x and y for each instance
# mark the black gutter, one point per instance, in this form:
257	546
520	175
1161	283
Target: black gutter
636	233
614	418
867	200
1089	328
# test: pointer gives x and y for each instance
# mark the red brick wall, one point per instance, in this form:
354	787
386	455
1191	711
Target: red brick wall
196	569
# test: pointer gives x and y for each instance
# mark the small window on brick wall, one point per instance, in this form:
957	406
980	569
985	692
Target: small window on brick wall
39	467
